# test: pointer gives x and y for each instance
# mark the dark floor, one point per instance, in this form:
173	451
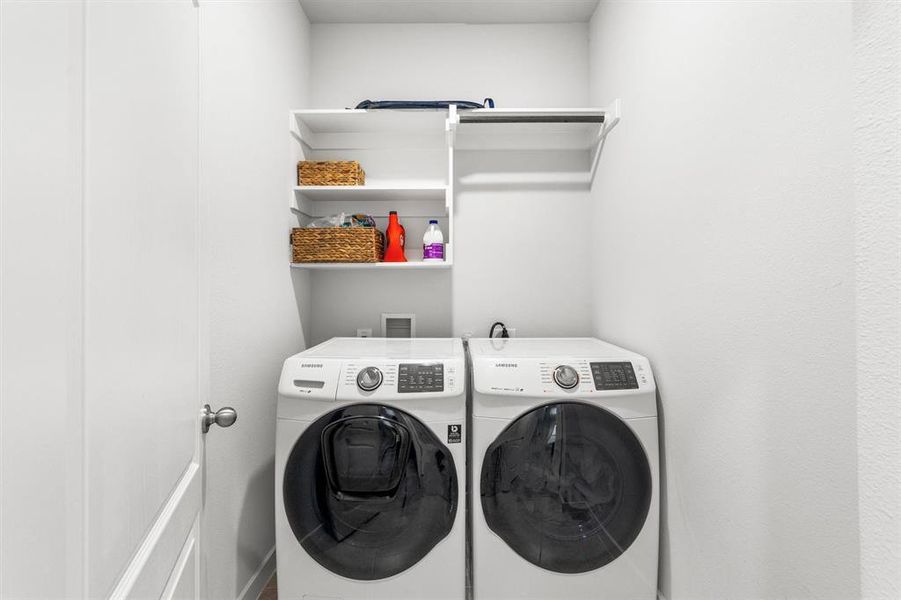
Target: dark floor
270	592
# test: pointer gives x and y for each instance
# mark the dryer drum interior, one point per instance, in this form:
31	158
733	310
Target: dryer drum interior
369	490
567	486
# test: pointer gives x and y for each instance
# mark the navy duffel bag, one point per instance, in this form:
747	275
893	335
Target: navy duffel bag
422	104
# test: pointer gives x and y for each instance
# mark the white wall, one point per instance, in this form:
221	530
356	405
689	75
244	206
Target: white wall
523	66
521	254
503	236
877	170
254	69
724	250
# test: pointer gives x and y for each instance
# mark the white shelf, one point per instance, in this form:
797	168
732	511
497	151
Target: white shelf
411	155
401	266
478	129
373	193
370	129
371	121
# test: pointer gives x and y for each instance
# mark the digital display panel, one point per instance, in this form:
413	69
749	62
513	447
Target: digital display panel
415	377
613	376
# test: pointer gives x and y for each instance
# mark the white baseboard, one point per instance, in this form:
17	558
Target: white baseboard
260	578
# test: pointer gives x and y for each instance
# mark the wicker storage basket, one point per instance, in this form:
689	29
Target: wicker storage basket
337	244
330	172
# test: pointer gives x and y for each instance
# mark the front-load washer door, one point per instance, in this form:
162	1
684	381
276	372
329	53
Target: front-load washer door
369	490
567	486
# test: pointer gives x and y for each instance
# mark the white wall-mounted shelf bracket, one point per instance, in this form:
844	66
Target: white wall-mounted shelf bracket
612	116
450	128
450	125
301	132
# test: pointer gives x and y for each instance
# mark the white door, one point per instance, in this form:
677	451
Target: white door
104	305
143	342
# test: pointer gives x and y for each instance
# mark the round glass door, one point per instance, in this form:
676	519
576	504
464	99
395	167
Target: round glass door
567	486
369	490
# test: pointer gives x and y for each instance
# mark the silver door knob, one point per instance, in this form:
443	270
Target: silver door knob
224	417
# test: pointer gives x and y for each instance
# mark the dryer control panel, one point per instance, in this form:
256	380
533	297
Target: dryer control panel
513	374
562	376
404	379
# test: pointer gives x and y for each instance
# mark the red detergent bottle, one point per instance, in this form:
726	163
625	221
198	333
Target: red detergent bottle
395	236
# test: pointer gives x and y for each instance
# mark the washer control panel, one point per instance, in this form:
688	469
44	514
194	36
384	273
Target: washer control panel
419	374
613	376
369	379
420	377
566	377
403	379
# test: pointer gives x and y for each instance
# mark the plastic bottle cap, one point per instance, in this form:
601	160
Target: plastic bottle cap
393	212
435	221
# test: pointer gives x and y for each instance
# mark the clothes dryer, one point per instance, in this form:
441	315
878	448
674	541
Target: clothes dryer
565	471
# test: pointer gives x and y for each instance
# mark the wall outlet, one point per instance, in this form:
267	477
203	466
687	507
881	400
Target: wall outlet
367	332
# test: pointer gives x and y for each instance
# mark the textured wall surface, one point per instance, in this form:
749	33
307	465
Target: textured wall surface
877	171
724	250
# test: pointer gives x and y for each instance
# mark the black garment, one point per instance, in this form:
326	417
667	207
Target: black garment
567	486
369	490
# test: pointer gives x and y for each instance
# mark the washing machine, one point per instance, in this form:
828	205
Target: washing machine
370	471
565	471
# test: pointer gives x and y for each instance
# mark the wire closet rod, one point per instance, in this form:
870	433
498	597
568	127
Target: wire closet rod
487	118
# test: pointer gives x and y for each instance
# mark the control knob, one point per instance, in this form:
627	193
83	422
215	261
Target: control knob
369	379
566	377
